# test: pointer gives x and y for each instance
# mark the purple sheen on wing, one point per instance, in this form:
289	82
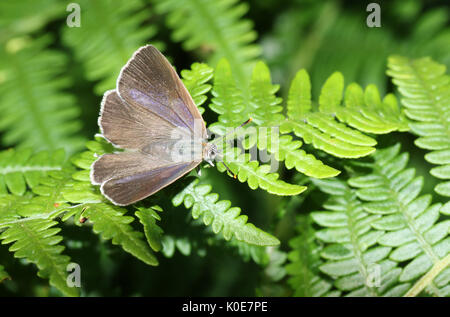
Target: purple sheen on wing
159	108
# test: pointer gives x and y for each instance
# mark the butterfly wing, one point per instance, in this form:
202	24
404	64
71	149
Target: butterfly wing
132	127
128	177
148	113
149	83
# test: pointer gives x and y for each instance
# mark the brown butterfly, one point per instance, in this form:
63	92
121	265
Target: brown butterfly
153	118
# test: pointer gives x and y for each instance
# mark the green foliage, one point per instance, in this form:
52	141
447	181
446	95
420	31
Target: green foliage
220	215
304	261
214	27
424	86
410	224
3	274
36	112
352	256
36	240
383	230
343	218
196	80
21	168
110	32
320	128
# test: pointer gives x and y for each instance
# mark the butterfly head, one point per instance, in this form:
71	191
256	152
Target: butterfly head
210	152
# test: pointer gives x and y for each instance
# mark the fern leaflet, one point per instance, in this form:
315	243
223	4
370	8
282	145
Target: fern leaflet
425	88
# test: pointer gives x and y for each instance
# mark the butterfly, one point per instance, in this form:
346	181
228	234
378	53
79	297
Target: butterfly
153	118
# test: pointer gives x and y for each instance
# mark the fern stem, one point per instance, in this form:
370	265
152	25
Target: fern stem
48	215
426	247
355	243
428	278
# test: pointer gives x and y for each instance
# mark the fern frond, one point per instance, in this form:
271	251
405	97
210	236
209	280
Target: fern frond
264	108
35	110
304	261
352	256
111	223
410	222
233	107
320	128
216	27
37	241
28	16
425	88
153	233
19	168
110	32
365	111
220	216
196	80
256	175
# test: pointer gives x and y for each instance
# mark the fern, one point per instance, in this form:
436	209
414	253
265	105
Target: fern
36	240
22	17
410	224
27	221
304	261
265	110
220	216
365	111
320	128
196	80
110	32
21	168
425	88
257	175
153	233
215	26
35	110
351	253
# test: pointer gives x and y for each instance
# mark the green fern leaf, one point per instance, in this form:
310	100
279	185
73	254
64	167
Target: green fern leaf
216	27
36	241
425	88
263	107
196	80
220	216
109	34
365	111
153	233
320	128
257	175
351	252
27	16
109	221
233	107
410	222
21	168
35	110
304	261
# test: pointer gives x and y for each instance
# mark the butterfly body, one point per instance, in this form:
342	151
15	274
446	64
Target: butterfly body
152	117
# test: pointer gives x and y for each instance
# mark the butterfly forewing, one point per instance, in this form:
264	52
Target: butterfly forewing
149	81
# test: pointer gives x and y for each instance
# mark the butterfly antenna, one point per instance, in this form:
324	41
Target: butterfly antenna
229	170
233	131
